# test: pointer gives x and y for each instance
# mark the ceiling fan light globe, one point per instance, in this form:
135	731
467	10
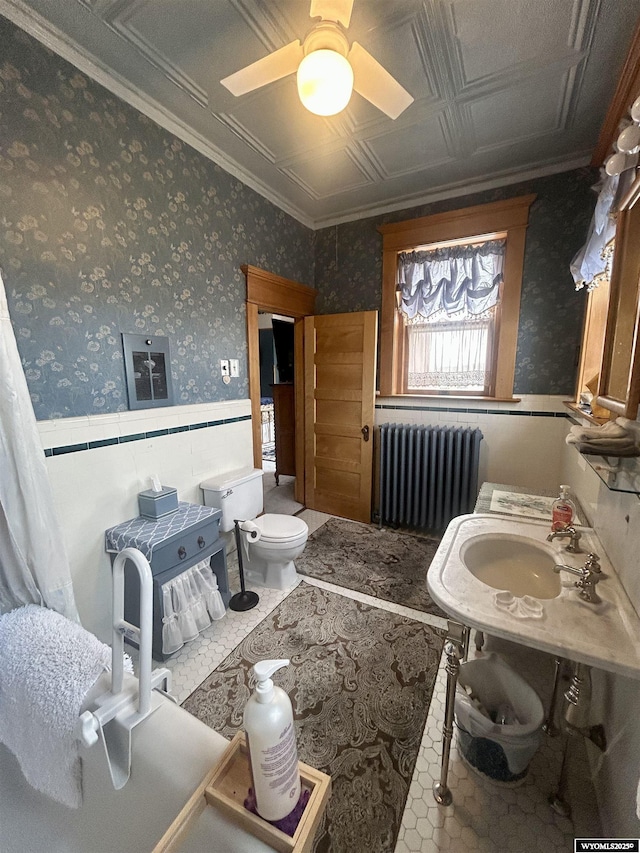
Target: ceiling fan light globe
325	82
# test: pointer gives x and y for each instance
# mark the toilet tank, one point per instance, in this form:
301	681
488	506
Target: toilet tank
237	493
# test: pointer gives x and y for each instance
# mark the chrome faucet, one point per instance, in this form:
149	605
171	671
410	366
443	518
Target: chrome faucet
574	544
588	577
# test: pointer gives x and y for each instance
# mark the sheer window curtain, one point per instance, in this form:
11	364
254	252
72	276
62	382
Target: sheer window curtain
34	568
448	297
444	356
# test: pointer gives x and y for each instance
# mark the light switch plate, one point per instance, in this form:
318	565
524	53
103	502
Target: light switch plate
234	365
224	366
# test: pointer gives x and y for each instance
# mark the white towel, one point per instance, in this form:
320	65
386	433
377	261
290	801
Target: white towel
47	665
608	430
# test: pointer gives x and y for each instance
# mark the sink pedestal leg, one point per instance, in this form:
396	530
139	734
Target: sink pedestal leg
558	801
550	727
578	690
454	649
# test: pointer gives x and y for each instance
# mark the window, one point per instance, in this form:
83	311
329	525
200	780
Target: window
449	297
467	346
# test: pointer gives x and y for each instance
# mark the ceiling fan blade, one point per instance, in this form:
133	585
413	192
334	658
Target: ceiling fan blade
374	83
332	10
273	67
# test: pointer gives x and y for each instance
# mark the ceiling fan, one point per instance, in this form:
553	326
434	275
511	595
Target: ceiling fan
327	67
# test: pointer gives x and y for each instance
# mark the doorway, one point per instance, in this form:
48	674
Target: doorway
333	395
288	300
277	412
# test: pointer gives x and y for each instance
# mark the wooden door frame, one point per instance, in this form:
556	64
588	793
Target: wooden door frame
277	295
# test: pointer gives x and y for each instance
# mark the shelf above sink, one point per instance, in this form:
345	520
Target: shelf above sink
618	473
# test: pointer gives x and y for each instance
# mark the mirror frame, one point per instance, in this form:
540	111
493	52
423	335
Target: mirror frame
625	238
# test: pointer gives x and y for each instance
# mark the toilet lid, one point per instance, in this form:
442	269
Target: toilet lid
280	528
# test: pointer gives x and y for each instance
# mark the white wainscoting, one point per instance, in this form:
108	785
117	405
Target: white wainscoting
522	443
96	488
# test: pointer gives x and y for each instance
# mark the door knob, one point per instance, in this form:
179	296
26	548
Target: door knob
365	432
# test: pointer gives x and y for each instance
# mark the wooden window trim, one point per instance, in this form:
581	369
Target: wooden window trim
510	216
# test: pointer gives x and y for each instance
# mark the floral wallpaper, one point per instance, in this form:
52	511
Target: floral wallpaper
109	224
349	273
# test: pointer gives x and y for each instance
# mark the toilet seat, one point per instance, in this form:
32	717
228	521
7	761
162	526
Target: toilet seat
280	528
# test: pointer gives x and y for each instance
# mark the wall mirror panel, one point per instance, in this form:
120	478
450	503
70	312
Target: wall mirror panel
619	388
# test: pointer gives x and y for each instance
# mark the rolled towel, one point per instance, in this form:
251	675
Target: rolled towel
610	430
601	448
620	443
610	439
47	665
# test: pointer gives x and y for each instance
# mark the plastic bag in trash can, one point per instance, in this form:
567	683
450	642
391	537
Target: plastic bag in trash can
499	749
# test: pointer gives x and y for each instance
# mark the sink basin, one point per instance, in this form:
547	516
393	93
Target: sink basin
511	562
481	553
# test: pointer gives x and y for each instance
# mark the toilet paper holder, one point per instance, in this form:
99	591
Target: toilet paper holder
245	599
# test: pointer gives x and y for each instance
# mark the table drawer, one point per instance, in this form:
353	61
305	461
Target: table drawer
184	548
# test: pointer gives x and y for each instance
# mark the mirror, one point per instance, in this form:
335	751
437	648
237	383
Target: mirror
619	388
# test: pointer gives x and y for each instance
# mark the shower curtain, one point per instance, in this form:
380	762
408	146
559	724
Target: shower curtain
34	568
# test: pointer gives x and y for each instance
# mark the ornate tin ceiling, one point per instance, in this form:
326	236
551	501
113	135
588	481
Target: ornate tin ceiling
504	89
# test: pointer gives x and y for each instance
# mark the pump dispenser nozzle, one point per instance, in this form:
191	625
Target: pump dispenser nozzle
263	670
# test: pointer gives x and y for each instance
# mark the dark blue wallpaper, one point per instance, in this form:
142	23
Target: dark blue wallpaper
349	273
109	224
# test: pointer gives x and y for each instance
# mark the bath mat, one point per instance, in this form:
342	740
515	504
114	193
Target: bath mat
360	681
387	564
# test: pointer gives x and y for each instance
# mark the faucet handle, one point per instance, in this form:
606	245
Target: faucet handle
592	563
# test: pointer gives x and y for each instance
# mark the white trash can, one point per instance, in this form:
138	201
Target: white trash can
499	719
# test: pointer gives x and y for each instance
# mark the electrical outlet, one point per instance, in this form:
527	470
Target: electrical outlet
224	366
234	365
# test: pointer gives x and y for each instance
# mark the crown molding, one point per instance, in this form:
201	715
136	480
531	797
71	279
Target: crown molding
50	36
463	188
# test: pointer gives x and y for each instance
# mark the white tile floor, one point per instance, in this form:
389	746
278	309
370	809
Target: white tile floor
484	816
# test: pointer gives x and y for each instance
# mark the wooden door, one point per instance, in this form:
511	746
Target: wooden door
339	379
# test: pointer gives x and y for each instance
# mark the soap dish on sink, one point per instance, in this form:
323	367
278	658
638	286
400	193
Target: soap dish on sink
524	607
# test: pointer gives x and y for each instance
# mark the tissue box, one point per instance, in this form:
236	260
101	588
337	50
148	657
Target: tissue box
158	504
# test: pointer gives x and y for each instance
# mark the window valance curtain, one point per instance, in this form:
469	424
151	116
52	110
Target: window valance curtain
592	264
451	279
589	267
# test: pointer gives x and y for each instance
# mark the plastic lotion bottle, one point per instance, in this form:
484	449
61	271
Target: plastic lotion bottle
268	722
563	510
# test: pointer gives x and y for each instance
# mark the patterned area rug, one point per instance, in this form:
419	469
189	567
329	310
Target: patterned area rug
387	564
360	681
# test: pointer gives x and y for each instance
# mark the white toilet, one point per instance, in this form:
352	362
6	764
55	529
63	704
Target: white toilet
282	538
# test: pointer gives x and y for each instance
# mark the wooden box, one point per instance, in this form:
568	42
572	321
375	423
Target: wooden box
226	788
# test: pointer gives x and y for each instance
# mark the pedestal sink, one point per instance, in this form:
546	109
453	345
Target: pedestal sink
481	555
483	560
514	563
